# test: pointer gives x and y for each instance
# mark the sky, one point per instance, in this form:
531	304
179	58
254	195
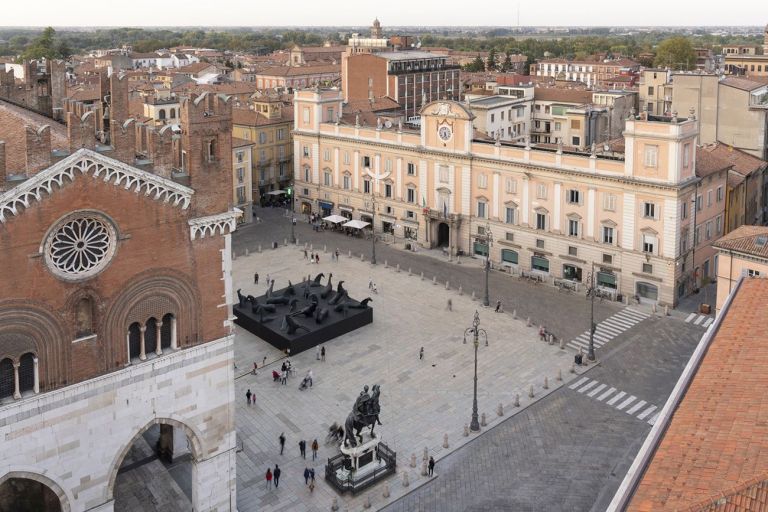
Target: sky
60	13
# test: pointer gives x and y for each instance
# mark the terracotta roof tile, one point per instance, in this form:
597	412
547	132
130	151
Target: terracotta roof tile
718	435
744	239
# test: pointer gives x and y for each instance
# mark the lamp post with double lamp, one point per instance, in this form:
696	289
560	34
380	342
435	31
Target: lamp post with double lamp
293	216
476	333
373	228
488	242
592	327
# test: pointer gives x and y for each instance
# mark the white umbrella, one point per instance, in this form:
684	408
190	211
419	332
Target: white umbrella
356	224
335	219
276	192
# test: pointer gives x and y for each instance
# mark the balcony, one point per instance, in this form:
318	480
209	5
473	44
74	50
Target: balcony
263	162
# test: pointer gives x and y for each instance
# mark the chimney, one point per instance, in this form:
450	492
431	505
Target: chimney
38	149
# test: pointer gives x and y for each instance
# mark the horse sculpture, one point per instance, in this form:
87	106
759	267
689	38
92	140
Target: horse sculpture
364	414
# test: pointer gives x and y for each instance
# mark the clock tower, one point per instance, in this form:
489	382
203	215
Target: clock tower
446	125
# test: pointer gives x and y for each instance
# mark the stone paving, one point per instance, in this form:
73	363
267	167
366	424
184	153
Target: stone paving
421	400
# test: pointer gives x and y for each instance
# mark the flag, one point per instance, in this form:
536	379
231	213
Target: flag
445	209
423	202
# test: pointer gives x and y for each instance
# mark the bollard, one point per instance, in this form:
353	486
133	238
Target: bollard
422	276
246	251
425	454
335	504
234	256
447	286
305	245
666	310
409	271
349	253
528	322
473	295
362	257
482	420
514	314
500	410
458	260
530	391
405	480
562	343
653	308
445	441
434	279
424	468
311	247
460	291
397	268
367	502
466	430
386	490
546	383
517	399
325	248
559	374
573	368
386	264
413	460
285	242
297	240
259	248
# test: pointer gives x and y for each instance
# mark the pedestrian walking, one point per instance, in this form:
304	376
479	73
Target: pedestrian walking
312	485
254	368
431	466
256	278
303	448
248	396
370	283
317	258
421	353
317	354
449	305
267	280
305	254
284	379
315	447
498	306
337	254
312	476
282	442
269	478
322	354
309	377
306	476
276	473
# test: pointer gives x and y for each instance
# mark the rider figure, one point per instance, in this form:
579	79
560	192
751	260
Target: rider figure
361	404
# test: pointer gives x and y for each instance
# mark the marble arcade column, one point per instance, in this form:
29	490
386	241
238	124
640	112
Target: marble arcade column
142	352
158	338
16	392
36	387
174	340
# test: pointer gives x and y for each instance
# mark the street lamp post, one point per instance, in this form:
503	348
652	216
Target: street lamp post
488	242
373	228
293	218
592	327
475	331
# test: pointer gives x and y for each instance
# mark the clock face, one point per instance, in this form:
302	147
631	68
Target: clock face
445	133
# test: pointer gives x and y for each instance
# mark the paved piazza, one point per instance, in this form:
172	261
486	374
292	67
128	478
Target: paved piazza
421	400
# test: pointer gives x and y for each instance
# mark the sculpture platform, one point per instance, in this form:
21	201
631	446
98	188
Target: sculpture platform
339	318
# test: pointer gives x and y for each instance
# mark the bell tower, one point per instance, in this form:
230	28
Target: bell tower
376	29
765	41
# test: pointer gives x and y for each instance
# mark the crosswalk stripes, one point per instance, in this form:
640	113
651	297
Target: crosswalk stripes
700	320
619	400
609	328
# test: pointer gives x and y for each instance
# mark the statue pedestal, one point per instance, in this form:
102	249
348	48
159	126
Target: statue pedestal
358	467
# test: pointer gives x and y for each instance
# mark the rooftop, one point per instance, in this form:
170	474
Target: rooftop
409	55
742	162
752	240
717	439
495	101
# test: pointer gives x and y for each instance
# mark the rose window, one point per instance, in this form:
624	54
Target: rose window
80	246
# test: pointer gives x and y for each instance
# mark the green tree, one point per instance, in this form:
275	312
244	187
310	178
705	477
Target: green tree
45	46
675	53
491	60
476	65
507	64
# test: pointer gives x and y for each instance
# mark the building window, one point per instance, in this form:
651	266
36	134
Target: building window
240	155
572	251
649	210
684	210
346	181
366	161
650	90
541	221
346	157
609	202
574	197
699	203
647	268
576	141
719	225
411	169
367	186
306	151
541	191
509	256
558	126
410	195
330	112
573	227
709	198
753	273
493	116
509	215
686	155
306	174
719	194
281	134
607	259
443	174
606	279
575	124
327	179
708	230
509	236
326	155
240	195
482	180
510	186
696	236
262	138
410	214
388	165
649	244
540	263
240	174
481	209
651	156
387	190
305	115
607	235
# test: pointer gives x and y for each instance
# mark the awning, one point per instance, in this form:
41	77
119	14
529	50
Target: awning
356	224
335	219
276	192
325	205
345	208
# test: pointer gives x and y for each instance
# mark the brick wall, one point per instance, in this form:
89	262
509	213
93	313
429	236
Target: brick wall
37	149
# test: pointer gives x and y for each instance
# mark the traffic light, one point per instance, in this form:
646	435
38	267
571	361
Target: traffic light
289	191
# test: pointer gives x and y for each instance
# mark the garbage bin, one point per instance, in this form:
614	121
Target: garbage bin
274	245
577	359
704	309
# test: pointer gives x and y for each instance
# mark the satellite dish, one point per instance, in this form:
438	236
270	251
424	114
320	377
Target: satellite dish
388	124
